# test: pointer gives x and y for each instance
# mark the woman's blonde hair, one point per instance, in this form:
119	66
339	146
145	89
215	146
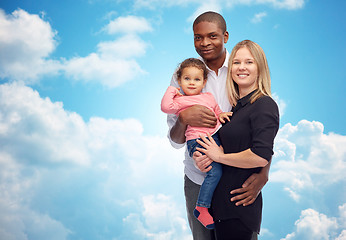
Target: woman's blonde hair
263	80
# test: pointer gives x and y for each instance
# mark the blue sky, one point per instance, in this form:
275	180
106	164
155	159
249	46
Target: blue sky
84	153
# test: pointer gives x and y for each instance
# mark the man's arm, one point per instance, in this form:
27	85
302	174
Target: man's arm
196	116
251	187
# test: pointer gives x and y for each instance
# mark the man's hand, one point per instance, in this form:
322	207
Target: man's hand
250	189
198	116
202	161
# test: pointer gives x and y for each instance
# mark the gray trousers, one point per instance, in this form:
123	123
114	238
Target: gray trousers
199	232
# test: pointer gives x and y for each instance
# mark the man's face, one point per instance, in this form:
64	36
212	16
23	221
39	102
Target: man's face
209	40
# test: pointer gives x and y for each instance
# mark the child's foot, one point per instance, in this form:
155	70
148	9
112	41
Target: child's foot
202	215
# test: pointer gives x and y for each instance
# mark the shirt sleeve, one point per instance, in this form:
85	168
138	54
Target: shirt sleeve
264	124
168	104
172	118
216	108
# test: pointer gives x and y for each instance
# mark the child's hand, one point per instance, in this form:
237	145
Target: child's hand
178	93
225	115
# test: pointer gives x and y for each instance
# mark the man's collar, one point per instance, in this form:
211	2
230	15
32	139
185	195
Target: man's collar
225	63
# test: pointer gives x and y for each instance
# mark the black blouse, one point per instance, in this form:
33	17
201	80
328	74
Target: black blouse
252	126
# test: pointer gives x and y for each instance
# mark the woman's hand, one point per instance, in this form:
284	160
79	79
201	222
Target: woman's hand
202	161
210	148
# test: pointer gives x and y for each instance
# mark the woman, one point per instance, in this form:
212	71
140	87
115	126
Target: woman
247	141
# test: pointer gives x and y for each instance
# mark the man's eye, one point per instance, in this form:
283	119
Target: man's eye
197	38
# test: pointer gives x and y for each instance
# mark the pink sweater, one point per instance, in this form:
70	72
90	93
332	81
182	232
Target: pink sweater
174	104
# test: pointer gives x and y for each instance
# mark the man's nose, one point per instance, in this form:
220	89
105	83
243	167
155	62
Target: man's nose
205	42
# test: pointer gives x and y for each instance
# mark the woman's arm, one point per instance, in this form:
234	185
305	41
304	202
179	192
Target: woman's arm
244	159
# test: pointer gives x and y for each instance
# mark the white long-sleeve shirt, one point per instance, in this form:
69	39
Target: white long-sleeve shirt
216	84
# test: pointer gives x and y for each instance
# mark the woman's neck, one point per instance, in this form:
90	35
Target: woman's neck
244	92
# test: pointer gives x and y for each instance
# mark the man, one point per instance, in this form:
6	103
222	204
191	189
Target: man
210	37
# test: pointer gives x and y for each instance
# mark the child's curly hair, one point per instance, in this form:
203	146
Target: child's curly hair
193	62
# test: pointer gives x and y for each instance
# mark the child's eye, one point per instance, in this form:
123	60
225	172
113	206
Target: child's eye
187	78
197	79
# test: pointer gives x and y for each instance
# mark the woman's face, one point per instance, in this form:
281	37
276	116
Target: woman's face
244	71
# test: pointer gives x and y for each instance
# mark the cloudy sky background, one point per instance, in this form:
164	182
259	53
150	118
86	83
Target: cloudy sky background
84	153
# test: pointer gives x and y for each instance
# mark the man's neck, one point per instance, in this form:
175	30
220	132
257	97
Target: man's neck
216	64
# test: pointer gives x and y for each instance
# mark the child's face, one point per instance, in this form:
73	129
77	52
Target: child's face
192	81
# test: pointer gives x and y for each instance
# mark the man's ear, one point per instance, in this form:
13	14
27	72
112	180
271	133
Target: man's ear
225	36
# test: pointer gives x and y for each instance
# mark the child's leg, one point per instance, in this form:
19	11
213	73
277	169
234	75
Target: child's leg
206	192
191	146
205	195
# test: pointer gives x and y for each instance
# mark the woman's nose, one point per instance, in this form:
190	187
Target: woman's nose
242	66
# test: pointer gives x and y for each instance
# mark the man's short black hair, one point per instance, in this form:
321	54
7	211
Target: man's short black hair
211	17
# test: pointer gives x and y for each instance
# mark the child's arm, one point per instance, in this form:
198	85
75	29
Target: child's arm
225	115
168	105
222	115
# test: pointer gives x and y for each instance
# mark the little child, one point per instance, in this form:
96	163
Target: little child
192	77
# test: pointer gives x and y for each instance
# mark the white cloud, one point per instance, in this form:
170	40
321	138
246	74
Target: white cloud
63	174
96	69
26	119
124	47
258	17
109	166
158	210
26	41
281	104
307	159
342	235
313	225
114	62
128	25
284	4
219	4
